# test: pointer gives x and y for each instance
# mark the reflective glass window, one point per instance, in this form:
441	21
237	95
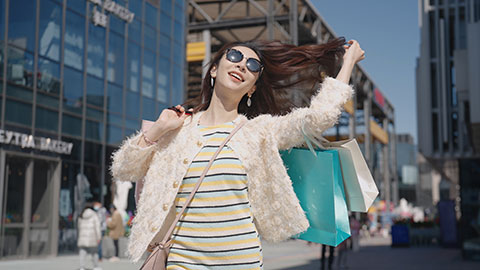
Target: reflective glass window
71	125
165	24
19	92
167	6
115	58
2	23
150	38
117	24
180	3
48	76
177	85
96	50
76	156
132	105
179	14
21	24
150	14
73	90
132	123
46	119
114	134
165	46
49	30
93	154
18	112
95	114
178	56
113	118
20	67
74	40
94	91
148	71
135	30
77	5
114	98
94	130
136	7
148	109
48	100
178	32
163	80
133	67
129	131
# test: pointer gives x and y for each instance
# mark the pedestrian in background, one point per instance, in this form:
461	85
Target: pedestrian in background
355	227
330	256
102	216
89	236
342	249
116	229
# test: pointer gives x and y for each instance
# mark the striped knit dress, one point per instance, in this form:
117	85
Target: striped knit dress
217	229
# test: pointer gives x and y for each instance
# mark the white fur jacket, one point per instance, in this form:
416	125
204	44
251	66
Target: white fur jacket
274	205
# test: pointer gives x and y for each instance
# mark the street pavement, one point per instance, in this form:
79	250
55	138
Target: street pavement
375	253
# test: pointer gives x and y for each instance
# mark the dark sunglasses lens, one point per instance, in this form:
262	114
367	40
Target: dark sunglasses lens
234	56
253	65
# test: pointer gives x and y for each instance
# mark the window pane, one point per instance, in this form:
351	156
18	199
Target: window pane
49	29
113	118
177	85
135	30
167	6
73	90
179	14
115	98
148	72
165	24
77	5
21	24
136	7
117	24
150	14
115	58
48	100
71	125
178	31
18	112
93	131
94	91
163	80
165	46
2	23
20	67
93	154
133	66
46	119
114	135
148	109
178	56
74	39
150	38
132	124
20	92
96	50
95	114
48	76
133	105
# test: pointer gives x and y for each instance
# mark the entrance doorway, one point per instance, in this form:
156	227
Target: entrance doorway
29	190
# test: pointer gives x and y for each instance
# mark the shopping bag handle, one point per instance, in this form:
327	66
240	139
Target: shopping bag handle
321	143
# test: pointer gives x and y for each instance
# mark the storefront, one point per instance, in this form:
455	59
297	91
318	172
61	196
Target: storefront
76	78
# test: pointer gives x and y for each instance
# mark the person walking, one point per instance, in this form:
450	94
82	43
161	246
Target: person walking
89	236
331	251
102	217
246	194
116	229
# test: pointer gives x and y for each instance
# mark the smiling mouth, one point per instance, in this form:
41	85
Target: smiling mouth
236	76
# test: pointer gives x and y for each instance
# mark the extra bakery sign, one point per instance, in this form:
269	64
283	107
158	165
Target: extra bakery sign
40	143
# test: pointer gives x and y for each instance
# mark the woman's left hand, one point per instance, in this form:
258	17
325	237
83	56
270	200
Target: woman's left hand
353	52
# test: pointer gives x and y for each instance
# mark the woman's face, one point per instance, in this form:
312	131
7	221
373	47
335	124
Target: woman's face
235	78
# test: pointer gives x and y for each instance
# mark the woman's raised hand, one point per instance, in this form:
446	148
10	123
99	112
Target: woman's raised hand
172	119
353	52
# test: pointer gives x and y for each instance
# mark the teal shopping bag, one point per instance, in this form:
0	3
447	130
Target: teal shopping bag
318	184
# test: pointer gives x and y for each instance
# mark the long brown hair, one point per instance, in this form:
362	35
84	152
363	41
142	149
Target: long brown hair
285	66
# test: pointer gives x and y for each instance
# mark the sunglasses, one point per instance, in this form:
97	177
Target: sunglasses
236	56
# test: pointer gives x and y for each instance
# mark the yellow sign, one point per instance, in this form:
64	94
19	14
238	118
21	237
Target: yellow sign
378	132
195	51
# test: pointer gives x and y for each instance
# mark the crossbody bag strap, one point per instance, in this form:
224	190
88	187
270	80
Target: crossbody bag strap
166	240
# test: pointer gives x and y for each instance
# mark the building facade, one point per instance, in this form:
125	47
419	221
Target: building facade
448	90
76	78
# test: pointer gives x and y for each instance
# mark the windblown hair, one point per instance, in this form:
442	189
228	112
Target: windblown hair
285	66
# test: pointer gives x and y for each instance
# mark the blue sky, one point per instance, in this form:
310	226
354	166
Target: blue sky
389	34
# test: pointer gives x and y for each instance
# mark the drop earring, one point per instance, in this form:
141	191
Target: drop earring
211	81
249	101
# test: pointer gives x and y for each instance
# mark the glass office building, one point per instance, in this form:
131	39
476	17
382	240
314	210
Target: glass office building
76	78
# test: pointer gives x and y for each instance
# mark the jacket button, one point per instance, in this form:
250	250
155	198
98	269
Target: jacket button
175	184
165	207
154	229
199	143
185	161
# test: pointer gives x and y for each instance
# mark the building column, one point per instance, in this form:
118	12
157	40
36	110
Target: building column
436	179
208	51
367	107
394	169
386	168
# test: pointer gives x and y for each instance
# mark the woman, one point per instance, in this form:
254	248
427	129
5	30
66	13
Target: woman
116	229
89	236
247	192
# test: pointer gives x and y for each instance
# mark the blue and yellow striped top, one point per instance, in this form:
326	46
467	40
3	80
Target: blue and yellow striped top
217	229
